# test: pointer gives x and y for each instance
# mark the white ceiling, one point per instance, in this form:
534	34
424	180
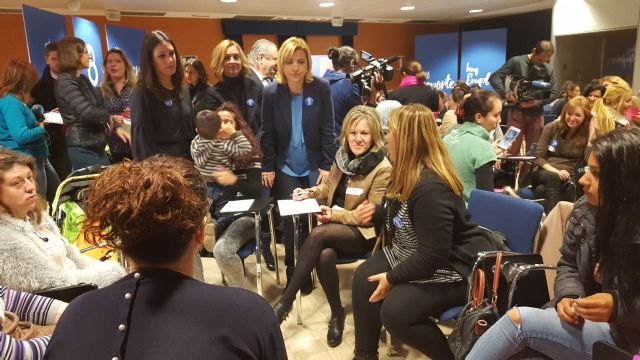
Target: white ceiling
444	11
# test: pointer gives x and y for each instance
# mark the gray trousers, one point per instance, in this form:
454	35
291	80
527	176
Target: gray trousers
227	245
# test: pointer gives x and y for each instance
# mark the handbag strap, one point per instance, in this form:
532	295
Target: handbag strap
477	288
496	278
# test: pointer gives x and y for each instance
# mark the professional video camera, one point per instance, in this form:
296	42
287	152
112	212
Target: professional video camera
363	76
536	86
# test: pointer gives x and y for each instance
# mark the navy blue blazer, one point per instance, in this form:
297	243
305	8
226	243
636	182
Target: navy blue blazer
317	124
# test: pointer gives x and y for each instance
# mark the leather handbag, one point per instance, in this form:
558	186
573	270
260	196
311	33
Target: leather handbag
24	330
478	315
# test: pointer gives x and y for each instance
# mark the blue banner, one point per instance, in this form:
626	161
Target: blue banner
438	55
89	32
41	27
128	40
483	52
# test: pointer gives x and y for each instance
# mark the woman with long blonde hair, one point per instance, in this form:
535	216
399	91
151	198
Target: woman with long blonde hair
428	243
610	110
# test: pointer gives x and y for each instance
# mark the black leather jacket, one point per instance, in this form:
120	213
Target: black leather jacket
83	111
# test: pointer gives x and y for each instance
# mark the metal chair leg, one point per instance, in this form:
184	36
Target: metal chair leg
274	248
296	235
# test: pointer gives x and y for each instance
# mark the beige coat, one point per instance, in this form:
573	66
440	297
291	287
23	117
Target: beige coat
371	187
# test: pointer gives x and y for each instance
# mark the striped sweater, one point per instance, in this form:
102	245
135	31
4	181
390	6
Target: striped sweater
210	155
29	307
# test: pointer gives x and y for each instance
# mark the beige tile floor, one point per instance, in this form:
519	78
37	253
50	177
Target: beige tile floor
308	341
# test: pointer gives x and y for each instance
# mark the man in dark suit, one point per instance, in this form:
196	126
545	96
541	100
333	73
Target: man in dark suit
262	58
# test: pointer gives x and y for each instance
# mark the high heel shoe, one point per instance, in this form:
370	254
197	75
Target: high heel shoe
336	328
281	311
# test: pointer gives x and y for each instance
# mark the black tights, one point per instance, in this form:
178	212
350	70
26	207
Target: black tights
404	312
321	249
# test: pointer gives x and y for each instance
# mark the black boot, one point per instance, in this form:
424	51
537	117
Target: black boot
336	328
282	311
357	355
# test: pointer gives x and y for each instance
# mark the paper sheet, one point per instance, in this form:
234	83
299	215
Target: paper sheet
292	207
237	206
53	118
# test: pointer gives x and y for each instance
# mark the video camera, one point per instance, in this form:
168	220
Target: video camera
536	86
363	76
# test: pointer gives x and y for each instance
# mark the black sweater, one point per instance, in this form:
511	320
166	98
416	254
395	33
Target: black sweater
446	235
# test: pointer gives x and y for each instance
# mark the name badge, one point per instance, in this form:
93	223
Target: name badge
354	191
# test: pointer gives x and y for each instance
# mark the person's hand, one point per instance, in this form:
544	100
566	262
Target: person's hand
567	313
325	216
123	135
364	213
498	150
226	130
322	175
564	175
383	288
126	113
117	120
225	177
510	97
268	178
299	194
597	307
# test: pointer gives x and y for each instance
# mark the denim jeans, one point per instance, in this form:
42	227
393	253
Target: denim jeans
238	233
542	331
47	180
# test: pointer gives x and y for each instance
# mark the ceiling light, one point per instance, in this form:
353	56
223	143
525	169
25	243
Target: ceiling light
229	1
73	5
326	4
475	11
408	8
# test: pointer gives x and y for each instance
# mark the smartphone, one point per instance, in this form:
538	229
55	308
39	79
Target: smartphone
508	138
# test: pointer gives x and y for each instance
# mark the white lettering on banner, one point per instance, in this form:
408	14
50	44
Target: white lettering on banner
472	76
92	71
447	83
624	60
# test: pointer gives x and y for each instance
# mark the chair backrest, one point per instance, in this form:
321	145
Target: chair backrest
517	219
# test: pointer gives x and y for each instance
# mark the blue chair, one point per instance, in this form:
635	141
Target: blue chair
517	219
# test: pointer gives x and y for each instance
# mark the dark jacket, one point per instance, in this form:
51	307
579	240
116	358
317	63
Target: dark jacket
446	235
158	126
44	92
167	315
575	278
246	93
317	124
205	97
83	111
256	77
416	94
344	94
518	67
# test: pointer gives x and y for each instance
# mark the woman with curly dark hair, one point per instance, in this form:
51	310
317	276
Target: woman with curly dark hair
154	211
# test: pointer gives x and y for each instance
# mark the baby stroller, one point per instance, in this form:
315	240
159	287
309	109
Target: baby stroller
67	210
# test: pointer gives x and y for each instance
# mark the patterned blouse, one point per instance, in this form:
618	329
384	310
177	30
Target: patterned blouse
404	243
29	307
116	104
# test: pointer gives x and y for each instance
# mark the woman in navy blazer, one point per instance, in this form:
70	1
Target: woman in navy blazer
298	139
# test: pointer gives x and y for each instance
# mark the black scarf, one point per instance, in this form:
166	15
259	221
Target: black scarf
351	165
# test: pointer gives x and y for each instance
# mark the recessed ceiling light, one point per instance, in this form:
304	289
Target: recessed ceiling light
326	4
229	1
408	8
474	11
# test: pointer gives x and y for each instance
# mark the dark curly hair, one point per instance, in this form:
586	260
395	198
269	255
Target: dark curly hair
149	209
250	159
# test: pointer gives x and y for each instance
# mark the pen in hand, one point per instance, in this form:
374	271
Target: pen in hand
301	192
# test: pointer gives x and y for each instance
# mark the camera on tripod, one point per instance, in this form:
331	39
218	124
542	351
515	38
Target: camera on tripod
536	86
365	75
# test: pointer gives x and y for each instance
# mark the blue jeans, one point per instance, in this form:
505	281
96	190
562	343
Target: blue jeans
542	331
82	158
47	180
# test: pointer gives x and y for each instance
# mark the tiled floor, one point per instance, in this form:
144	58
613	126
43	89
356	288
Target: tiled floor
308	341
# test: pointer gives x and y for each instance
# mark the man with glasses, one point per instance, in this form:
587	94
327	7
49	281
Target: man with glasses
262	59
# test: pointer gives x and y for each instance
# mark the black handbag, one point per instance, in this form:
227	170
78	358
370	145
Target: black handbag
478	315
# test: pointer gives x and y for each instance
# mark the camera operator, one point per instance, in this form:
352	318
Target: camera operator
344	93
413	88
525	112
